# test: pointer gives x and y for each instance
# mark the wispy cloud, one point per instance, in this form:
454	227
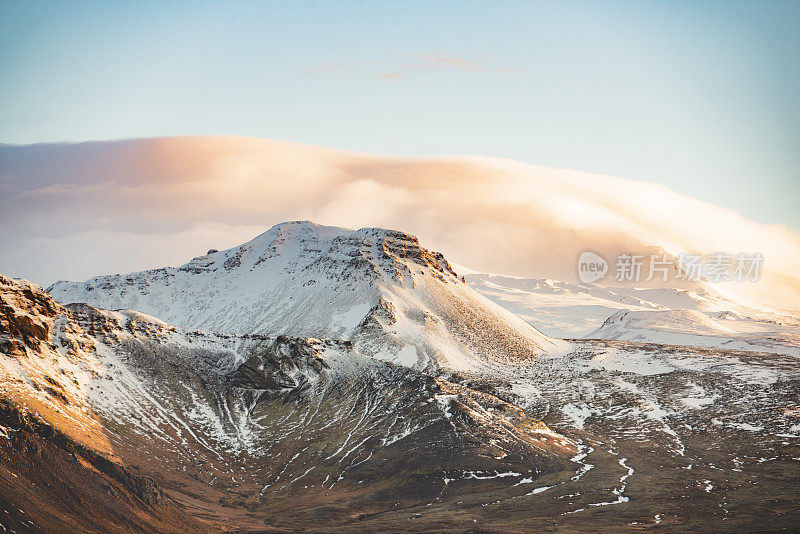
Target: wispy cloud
406	65
332	69
435	61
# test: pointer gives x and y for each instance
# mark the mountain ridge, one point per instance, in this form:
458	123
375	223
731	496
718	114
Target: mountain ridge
379	288
180	430
284	432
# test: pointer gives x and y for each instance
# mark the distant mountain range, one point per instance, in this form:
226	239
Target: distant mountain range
695	316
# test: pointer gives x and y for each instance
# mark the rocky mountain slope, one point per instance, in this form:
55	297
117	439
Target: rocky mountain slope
148	427
378	288
119	422
488	424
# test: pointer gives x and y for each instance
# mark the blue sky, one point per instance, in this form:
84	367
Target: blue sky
703	97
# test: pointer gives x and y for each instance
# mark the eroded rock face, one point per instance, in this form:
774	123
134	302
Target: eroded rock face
116	326
26	317
47	360
285	364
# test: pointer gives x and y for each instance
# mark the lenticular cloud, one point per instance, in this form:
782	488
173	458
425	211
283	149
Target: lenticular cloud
127	205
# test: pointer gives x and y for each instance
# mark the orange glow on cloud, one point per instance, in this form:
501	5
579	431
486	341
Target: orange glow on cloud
127	205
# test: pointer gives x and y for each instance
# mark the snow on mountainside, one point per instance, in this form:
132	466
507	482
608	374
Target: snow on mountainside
697	316
725	330
392	298
114	421
140	425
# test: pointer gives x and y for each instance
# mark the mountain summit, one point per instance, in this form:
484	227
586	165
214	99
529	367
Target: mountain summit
378	288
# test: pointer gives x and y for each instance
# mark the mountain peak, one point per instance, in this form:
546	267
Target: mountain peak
379	288
391	250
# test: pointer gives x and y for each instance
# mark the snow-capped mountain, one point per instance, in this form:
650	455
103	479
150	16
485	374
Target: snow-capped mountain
697	316
378	288
288	410
141	426
138	425
724	329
